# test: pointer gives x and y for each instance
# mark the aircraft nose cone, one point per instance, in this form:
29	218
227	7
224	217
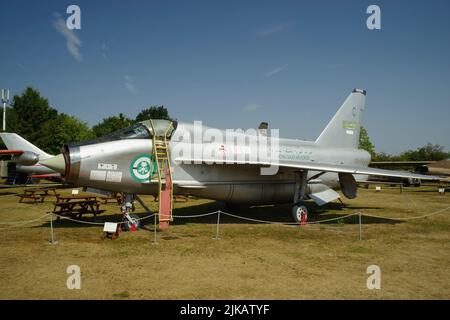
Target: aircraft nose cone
56	163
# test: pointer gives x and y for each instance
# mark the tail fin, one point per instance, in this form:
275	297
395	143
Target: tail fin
15	142
343	129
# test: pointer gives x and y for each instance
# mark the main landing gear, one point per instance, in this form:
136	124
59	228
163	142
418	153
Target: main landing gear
299	210
299	213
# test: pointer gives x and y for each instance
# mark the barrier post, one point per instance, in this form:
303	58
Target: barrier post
360	228
154	231
52	239
217	226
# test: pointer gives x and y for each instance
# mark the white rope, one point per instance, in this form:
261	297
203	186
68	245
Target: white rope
197	216
286	223
24	223
98	223
409	218
333	219
20	223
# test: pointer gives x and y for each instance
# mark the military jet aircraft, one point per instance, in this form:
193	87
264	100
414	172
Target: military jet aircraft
26	156
160	156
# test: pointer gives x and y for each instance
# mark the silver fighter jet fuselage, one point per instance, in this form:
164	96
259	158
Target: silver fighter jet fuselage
229	166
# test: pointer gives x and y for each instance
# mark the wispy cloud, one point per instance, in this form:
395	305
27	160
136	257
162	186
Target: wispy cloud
130	85
276	70
105	49
275	29
73	42
21	66
251	107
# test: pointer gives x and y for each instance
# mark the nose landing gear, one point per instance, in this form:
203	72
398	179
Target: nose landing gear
130	222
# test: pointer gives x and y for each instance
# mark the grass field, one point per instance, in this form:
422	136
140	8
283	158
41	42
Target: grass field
251	261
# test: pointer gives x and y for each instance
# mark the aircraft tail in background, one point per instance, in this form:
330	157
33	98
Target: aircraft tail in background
15	142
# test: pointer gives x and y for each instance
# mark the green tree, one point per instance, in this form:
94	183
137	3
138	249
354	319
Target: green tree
365	143
111	124
30	112
153	112
429	152
61	130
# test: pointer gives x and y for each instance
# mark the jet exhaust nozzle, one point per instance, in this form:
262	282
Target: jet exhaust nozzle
56	163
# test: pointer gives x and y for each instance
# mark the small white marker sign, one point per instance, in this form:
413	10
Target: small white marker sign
110	227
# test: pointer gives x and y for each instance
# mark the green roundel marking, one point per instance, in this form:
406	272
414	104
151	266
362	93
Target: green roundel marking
143	167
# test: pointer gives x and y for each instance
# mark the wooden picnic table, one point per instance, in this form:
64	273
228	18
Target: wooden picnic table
77	205
75	197
114	196
38	194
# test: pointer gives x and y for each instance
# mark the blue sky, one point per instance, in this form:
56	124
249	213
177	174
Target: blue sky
235	63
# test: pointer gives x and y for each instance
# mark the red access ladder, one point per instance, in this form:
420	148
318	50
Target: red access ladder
165	186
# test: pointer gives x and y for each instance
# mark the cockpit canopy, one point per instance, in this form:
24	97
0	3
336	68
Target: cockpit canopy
140	130
161	127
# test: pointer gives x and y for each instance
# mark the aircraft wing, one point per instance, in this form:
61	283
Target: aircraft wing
313	166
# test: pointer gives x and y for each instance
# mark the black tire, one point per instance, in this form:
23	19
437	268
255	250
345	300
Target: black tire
126	225
297	211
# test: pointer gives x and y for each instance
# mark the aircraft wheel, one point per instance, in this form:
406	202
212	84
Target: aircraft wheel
298	211
127	224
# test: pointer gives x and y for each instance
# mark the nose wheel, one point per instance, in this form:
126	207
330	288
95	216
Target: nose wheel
131	223
300	213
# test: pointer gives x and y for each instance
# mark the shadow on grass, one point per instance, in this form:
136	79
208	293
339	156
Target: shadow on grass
273	213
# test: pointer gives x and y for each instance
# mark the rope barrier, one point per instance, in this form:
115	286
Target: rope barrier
287	223
409	218
197	215
23	223
19	223
98	223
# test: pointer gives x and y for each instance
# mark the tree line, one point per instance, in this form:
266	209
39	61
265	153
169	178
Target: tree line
31	116
429	152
